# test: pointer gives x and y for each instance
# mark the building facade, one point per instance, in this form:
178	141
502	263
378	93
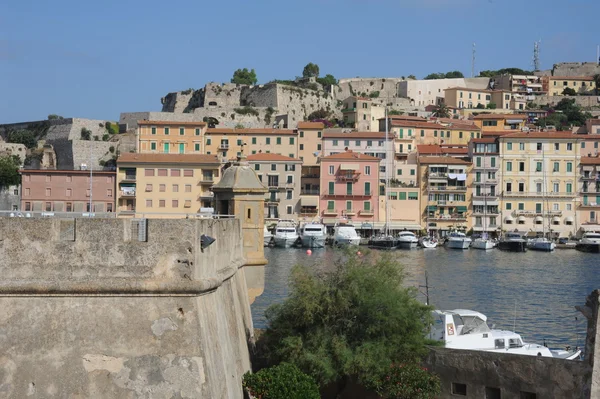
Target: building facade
227	144
539	182
165	185
48	190
362	114
349	188
493	125
164	137
462	97
556	85
485	215
281	175
589	195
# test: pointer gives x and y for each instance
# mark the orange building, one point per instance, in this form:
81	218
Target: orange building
170	137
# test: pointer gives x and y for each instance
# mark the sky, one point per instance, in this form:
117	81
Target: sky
96	59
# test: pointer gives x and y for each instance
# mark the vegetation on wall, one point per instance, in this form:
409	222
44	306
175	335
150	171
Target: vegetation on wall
441	111
374	94
247	110
503	71
269	115
569	92
244	77
328	80
564	115
54	117
284	381
210	121
9	170
112	128
447	75
25	137
86	134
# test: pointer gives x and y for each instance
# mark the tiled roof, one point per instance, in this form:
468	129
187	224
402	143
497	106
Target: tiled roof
129	157
67	172
436	149
463	126
477	90
170	123
263	156
350	155
541	135
499	116
356	135
405	117
311	125
590	160
484	140
443	160
424	124
273	132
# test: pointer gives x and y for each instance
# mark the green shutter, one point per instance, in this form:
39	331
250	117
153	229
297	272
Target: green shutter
367	188
253	140
331	187
402	195
461	209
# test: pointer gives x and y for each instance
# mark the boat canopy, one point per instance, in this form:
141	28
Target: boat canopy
467	312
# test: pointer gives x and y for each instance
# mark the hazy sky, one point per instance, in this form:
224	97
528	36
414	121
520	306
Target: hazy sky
95	59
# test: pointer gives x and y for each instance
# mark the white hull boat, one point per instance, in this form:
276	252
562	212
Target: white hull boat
345	235
467	329
268	237
458	240
285	234
482	243
590	242
407	240
428	242
313	235
541	244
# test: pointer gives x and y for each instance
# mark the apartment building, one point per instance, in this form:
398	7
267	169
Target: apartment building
485	216
349	188
462	97
527	87
167	137
369	143
589	194
362	114
310	147
539	182
493	125
281	175
49	190
431	92
227	144
165	185
444	183
556	85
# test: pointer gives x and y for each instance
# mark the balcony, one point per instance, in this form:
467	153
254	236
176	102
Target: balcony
309	192
330	212
367	213
589	205
437	176
481	213
591	221
223	146
206	195
347	177
348	110
485	197
272	200
448	188
536	213
526	194
449	217
128	193
348	195
349	212
589	177
207	180
129	177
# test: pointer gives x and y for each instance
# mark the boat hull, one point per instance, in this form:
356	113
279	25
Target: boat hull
407	244
268	240
512	246
383	243
313	241
542	246
593	248
482	244
285	242
346	241
458	243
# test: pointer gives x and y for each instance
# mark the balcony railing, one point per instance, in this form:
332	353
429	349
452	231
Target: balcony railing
273	200
349	212
478	212
330	212
447	188
437	175
309	192
589	177
450	217
130	177
349	195
130	193
206	194
223	146
207	180
553	194
347	177
591	221
536	213
590	204
485	196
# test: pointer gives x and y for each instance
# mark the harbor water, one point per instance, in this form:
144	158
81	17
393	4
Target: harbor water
531	293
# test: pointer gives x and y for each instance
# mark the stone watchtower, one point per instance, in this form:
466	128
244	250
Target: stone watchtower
242	194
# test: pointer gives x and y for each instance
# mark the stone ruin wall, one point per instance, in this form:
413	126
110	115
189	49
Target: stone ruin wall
387	88
90	311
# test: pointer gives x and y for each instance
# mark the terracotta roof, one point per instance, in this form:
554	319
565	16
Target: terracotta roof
274	132
436	149
586	78
263	156
541	135
499	116
452	120
67	172
405	117
484	140
590	160
170	123
495	133
356	135
424	124
443	160
311	125
130	157
463	126
350	155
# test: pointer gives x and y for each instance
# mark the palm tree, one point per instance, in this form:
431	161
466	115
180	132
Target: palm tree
442	111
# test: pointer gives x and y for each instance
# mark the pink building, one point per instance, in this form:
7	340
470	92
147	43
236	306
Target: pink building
349	188
47	190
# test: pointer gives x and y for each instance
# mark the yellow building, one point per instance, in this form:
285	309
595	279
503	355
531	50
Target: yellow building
588	215
462	97
499	124
556	85
227	144
170	137
445	191
539	182
310	135
165	185
362	114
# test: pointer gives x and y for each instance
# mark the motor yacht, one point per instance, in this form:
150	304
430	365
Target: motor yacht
482	243
313	235
541	244
407	239
467	329
590	242
458	240
428	242
268	237
345	234
383	241
513	242
285	233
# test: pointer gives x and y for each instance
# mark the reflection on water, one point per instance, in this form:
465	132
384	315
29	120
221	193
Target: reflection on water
534	291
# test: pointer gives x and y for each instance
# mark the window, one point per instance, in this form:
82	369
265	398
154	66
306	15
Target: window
49	206
348	188
153	129
162	172
48	192
162	188
367	188
188	188
583	144
569	167
301	147
508	206
181	131
278	140
493	162
268	140
319	134
166	131
188	173
538	166
478	159
367	170
412	172
330	205
319	147
334	143
568	207
569	187
166	148
521	166
239	142
569	146
367	206
508	146
290	179
196	146
256	166
460	135
331	188
175	188
197	132
161	203
508	187
521	146
413	196
70	207
331	169
289	210
556	167
273	167
435	133
509	166
460	389
175	203
357	143
69	192
521	187
528	395
402	195
148	203
288	194
148	187
208	141
346	143
109	193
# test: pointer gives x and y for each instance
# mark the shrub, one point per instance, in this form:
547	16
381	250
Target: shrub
491	106
54	116
111	149
408	381
113	128
24	137
105	137
96	138
86	134
374	94
247	110
284	381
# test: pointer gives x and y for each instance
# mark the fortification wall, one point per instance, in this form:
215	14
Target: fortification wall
575	69
223	95
584	101
90	311
387	87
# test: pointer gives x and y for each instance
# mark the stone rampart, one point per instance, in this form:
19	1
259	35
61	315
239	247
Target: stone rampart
583	101
101	308
387	87
576	69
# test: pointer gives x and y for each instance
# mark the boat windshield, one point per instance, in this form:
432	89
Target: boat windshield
513	235
286	230
473	325
347	230
318	229
407	233
593	235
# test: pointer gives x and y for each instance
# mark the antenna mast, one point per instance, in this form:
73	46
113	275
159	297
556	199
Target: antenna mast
536	55
473	62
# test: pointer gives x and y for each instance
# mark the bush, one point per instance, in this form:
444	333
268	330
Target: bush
491	106
247	110
105	137
111	149
284	381
408	381
374	94
54	117
24	137
86	134
569	92
96	138
113	128
244	77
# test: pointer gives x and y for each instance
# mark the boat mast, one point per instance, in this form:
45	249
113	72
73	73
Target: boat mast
387	175
485	194
545	207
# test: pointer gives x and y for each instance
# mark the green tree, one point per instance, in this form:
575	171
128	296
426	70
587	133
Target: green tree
434	76
412	77
310	71
395	112
210	121
491	106
244	77
54	116
454	74
86	134
597	83
9	171
504	71
351	322
442	111
318	114
24	137
480	106
569	92
328	80
284	381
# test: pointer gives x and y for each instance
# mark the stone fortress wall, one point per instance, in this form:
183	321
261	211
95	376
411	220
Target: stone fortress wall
103	308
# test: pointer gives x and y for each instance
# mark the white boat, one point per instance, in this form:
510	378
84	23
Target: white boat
285	233
407	239
467	329
541	244
428	242
458	240
345	234
313	235
268	237
590	242
482	243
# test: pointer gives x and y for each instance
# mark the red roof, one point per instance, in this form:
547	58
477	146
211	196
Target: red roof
350	156
263	156
311	125
484	140
500	116
590	160
443	160
170	123
274	132
424	124
131	157
356	135
436	149
405	117
541	135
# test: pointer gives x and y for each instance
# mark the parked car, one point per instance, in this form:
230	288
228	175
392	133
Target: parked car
563	240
